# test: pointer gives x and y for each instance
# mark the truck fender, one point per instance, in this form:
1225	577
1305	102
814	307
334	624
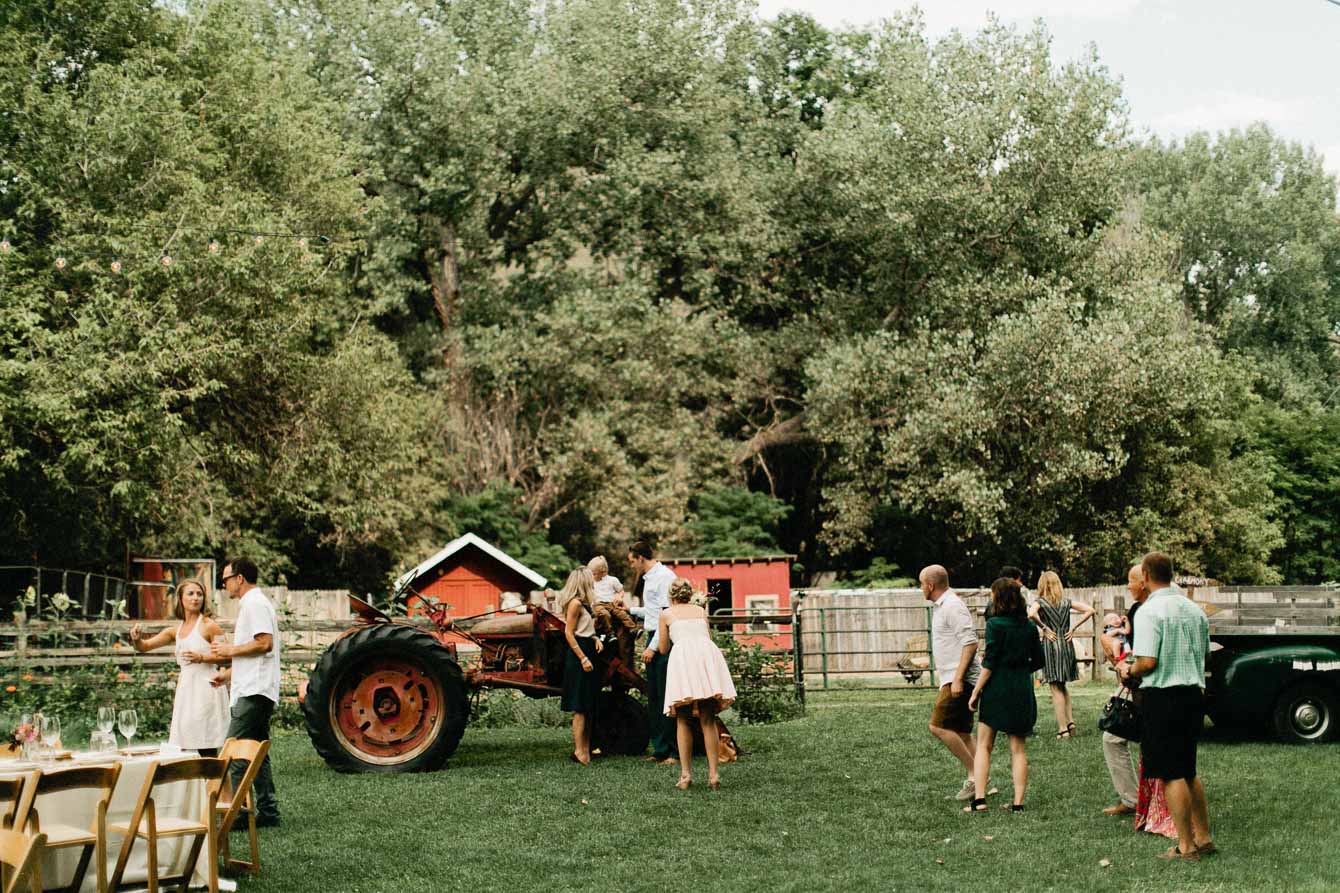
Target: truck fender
1253	681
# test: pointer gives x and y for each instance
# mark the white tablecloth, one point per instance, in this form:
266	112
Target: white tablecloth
183	799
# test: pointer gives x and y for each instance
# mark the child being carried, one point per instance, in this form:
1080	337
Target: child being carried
610	611
1116	635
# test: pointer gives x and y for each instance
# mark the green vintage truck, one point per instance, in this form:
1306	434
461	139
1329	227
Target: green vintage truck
1282	679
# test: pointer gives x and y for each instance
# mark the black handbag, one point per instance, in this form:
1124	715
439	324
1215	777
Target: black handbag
1121	717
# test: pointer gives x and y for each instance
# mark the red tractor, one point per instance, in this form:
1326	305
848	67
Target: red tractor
391	696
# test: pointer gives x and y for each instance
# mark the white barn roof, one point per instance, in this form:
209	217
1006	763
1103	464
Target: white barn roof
460	543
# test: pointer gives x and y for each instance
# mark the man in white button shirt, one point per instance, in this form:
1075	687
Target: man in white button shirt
254	675
954	648
656	580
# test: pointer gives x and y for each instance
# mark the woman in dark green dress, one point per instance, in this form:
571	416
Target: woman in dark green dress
1005	690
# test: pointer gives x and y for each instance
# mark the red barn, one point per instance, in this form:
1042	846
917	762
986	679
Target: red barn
744	586
470	576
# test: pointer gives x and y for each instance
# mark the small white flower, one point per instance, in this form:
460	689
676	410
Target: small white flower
61	602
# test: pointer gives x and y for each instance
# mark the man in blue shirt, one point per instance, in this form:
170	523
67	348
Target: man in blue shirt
656	580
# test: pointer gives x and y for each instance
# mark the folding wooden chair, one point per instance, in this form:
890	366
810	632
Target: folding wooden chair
16	796
146	823
92	840
21	856
232	803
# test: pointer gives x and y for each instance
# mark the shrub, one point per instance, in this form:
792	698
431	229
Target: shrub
765	690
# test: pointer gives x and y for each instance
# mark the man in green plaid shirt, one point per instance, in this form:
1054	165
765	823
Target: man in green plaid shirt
1172	637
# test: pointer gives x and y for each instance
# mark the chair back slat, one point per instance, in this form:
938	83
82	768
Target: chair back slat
103	777
244	749
207	768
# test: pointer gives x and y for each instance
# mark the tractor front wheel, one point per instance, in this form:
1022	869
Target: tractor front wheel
386	698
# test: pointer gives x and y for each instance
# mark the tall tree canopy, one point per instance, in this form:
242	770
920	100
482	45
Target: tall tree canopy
586	271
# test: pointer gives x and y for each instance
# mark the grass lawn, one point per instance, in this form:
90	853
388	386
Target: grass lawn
850	797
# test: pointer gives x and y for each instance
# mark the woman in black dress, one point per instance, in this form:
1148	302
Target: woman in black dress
581	682
1005	690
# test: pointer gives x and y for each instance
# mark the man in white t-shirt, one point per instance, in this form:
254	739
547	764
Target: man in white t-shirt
254	676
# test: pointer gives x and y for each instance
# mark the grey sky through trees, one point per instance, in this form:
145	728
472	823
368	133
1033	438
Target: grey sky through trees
1185	64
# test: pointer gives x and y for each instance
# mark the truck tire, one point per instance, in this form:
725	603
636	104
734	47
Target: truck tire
1306	714
621	727
386	698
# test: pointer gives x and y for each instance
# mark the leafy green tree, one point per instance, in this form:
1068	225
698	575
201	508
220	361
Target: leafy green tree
1305	450
1253	220
735	522
880	574
168	380
497	515
605	415
1068	439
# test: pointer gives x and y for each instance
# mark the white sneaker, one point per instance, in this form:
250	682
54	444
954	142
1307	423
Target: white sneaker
967	792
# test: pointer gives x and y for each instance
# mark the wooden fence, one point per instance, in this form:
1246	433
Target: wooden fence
308	622
845	633
883	633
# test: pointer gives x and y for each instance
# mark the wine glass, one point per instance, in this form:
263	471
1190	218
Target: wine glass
106	719
26	726
50	732
36	734
128	721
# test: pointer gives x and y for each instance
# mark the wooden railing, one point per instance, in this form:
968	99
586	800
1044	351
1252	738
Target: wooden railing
74	643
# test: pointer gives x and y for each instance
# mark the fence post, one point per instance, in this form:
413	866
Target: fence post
21	640
1095	629
798	652
823	643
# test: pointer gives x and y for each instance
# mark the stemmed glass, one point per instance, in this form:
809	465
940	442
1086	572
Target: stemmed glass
128	721
26	723
50	732
106	719
37	748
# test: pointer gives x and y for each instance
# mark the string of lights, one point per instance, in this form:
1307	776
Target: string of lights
116	262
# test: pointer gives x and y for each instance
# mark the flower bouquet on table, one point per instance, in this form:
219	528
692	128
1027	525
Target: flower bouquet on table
21	740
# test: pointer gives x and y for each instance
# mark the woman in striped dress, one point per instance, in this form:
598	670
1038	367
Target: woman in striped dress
1051	612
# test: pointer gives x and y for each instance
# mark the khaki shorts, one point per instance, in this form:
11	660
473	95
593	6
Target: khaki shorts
952	713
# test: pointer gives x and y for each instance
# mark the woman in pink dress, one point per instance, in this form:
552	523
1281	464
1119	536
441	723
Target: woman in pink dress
1151	810
697	680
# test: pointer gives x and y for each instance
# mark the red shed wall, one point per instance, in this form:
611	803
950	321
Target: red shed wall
471	582
758	578
747	578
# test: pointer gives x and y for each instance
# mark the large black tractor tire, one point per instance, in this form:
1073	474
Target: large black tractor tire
1307	713
621	727
386	698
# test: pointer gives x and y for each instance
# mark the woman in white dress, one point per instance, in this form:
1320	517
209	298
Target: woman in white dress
199	710
697	679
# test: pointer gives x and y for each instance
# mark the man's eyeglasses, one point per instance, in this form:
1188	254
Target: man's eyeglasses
227	577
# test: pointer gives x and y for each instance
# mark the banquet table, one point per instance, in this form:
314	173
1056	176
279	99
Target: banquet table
183	799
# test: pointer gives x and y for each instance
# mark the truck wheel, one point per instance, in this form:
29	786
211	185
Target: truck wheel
386	698
1306	714
621	725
